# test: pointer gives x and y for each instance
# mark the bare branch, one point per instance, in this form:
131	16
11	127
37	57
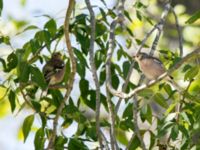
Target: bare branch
94	70
160	27
180	37
69	85
119	20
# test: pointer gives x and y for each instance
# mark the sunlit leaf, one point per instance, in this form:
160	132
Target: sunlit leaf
27	126
160	100
193	18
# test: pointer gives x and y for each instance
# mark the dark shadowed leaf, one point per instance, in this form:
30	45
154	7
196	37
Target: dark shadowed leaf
12	61
51	27
11	98
1	6
126	66
23	71
39	139
38	78
76	144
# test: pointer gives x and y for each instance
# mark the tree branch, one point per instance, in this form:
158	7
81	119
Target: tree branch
94	71
180	37
70	82
160	27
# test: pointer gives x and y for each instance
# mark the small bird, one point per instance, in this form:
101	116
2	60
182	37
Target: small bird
152	68
54	69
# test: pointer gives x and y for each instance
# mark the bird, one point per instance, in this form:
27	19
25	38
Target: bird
54	69
152	68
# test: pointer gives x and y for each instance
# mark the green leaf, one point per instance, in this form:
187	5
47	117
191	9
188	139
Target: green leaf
168	89
38	78
43	37
160	100
84	87
146	113
100	29
194	17
135	143
11	97
60	142
5	40
174	132
36	105
80	69
51	27
39	139
27	126
191	73
12	61
3	63
115	81
99	58
23	71
75	144
90	100
80	57
129	31
146	93
102	76
127	15
128	112
1	6
139	16
126	66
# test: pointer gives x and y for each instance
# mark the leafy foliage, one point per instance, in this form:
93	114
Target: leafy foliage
25	80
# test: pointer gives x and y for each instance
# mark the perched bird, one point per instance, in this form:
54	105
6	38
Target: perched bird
54	69
152	68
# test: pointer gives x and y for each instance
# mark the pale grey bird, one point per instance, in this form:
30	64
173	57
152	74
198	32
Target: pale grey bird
152	68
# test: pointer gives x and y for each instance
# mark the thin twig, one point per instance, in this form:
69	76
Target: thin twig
160	27
119	20
125	85
70	82
135	121
180	36
94	70
113	141
152	82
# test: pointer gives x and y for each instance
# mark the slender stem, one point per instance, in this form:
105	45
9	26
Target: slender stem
180	36
94	70
69	85
135	121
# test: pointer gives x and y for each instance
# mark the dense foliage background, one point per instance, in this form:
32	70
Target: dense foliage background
97	42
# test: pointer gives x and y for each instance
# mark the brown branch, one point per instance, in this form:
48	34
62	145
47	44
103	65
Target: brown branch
70	82
135	121
94	70
152	82
180	37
